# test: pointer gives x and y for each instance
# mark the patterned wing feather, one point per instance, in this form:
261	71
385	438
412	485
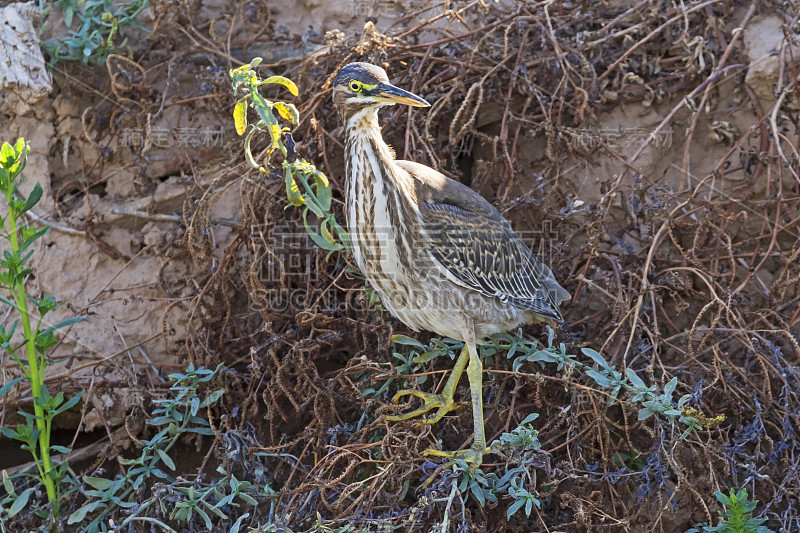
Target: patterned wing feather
486	255
477	246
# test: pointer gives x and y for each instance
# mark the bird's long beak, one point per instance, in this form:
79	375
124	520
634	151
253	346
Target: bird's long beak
386	92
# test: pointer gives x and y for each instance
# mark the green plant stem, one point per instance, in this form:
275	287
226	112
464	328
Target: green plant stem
36	373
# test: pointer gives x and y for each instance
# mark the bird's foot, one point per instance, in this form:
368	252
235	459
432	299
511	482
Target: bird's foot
473	456
443	402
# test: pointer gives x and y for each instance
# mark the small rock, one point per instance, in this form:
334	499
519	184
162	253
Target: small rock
763	38
24	80
65	106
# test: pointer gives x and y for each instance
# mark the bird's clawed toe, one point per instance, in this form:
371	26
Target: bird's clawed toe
473	455
443	402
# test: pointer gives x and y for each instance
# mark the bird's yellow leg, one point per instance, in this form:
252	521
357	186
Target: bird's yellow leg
443	401
474	455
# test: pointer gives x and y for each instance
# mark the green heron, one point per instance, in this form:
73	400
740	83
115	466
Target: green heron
440	256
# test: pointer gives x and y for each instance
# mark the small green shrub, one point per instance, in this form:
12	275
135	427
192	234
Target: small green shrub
736	517
31	353
305	185
98	34
175	417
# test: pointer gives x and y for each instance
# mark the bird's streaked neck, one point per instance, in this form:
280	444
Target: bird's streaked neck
363	124
379	212
365	142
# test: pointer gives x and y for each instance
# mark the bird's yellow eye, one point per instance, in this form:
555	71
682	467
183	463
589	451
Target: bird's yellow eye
355	86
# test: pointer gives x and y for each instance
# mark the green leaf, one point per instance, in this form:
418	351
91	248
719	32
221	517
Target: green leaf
323	190
669	388
344	237
240	116
166	458
248	153
212	398
550	336
200	431
599	378
78	516
326	234
159	473
529	506
68	404
645	413
181	514
33	199
7	387
292	190
44	339
635	380
407	341
99	483
286	82
206	519
29	237
68	11
596	357
9	433
7	156
264	109
20	502
248	499
427	356
161	420
477	493
528	419
217	512
317	238
516	506
62	324
542	356
238	524
8	485
287	111
311	199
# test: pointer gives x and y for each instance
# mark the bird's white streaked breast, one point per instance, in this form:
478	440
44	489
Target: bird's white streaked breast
355	211
373	234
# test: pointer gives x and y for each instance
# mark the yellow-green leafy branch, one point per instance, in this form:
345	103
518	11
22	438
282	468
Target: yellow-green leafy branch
306	186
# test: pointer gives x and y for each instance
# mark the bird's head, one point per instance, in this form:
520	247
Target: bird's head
361	86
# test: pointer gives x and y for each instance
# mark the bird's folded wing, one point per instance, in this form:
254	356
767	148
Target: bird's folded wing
477	247
487	256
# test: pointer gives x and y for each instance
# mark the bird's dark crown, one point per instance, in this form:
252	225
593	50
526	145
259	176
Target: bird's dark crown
363	72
